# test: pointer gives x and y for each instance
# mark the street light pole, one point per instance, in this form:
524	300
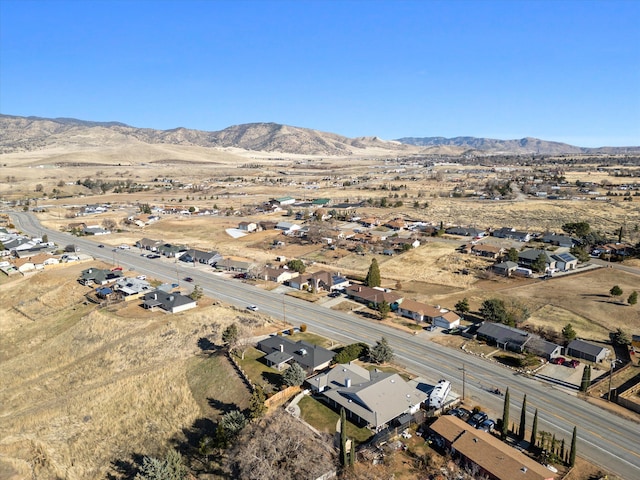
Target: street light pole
463	381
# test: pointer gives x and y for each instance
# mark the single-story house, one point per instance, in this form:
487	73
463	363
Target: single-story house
99	276
228	265
559	240
321	280
493	458
96	230
565	261
372	398
505	268
587	351
487	251
421	312
278	275
129	287
171	251
149	244
465	231
171	302
373	296
280	351
543	348
199	256
511	233
287	227
508	338
248	226
399	243
397	224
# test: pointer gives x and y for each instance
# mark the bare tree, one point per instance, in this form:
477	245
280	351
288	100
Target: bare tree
280	447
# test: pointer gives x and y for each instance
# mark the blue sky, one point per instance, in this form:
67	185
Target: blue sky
557	70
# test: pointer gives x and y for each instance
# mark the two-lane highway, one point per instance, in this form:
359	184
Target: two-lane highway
604	438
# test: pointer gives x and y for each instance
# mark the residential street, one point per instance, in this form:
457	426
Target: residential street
604	438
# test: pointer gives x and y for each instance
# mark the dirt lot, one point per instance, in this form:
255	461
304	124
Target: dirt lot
85	387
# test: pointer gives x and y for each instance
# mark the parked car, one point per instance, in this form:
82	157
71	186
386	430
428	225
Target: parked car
572	363
253	308
141	277
174	285
460	412
334	294
558	360
477	419
488	425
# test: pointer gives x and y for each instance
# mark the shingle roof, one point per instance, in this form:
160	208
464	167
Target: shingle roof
309	356
488	452
585	347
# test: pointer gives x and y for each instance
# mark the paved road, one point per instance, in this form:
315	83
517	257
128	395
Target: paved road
604	438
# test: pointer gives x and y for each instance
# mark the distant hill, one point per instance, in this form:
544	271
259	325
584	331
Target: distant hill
24	134
526	145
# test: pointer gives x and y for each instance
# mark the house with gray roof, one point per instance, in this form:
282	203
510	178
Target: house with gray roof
559	240
505	268
170	302
512	234
528	257
281	351
508	338
131	287
99	276
199	256
565	261
587	351
149	244
370	398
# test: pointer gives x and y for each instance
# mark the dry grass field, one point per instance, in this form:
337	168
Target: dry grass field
82	388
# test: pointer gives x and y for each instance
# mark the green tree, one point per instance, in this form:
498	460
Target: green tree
523	418
294	375
620	337
257	408
579	229
381	352
512	255
373	275
296	265
462	306
580	253
633	298
504	430
539	264
568	332
586	379
534	431
343	437
572	451
171	468
383	309
351	352
493	310
229	426
45	238
616	291
231	334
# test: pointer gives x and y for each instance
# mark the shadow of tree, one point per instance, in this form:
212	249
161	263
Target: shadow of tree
207	345
275	379
224	407
126	469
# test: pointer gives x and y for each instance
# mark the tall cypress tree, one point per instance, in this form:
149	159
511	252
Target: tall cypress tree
572	451
534	431
373	278
562	452
343	437
523	418
505	416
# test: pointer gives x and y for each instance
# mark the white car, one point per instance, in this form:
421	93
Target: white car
253	308
141	277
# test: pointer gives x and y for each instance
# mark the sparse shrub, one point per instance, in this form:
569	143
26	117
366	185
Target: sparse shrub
303	327
291	331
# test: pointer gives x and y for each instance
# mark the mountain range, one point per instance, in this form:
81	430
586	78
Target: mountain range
22	134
